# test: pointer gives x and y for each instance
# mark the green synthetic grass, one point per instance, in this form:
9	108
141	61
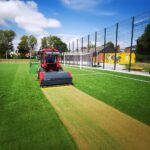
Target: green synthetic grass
129	96
27	120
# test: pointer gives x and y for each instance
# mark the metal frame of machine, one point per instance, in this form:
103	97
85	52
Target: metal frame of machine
51	72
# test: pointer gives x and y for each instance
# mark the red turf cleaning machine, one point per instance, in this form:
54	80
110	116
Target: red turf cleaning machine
51	72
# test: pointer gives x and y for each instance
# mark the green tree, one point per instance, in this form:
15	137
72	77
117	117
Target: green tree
26	44
6	41
143	42
44	42
23	46
32	42
63	47
54	42
110	47
143	45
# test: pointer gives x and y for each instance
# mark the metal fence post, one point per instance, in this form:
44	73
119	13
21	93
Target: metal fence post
132	32
82	44
73	46
69	52
81	60
115	61
88	46
104	48
89	49
73	52
77	51
95	49
82	51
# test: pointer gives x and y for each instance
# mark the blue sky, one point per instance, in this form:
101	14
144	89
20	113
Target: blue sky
68	19
87	19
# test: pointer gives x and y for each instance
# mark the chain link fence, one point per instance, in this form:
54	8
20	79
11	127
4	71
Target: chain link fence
113	48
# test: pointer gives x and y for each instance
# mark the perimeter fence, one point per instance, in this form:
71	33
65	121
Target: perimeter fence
117	47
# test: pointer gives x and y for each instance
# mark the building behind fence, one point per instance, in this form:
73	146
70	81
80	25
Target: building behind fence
111	48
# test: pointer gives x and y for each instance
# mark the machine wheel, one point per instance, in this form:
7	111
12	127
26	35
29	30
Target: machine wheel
38	72
41	86
60	69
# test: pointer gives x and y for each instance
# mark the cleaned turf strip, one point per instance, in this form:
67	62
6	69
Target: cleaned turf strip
27	120
94	124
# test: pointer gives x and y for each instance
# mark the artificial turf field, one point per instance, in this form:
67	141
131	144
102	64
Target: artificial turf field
28	121
127	92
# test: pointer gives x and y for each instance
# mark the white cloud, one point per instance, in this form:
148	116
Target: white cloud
68	37
26	16
105	13
16	41
3	22
83	4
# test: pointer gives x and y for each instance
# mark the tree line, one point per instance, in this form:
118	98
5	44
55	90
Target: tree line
29	43
54	42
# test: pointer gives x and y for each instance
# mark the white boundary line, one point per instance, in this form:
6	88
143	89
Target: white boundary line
85	74
114	75
125	72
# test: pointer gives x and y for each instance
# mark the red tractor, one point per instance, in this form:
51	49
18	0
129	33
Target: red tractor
51	71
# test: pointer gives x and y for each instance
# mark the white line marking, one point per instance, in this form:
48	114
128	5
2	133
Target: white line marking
85	74
120	71
114	75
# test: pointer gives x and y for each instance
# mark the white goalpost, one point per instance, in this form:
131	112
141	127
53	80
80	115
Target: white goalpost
78	58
